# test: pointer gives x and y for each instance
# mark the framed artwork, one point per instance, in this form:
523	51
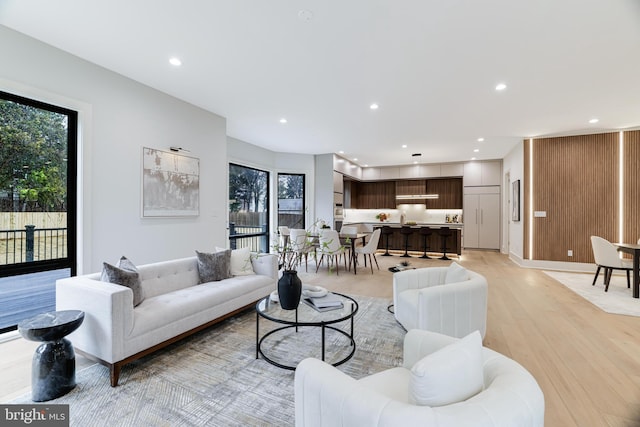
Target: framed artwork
170	184
515	201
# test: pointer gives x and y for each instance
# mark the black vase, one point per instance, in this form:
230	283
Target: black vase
289	290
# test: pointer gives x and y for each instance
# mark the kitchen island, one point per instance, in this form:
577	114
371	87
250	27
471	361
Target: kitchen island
415	240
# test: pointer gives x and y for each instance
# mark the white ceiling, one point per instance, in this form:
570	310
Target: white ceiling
432	66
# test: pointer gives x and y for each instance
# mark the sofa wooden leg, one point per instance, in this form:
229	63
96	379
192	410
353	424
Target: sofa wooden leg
114	371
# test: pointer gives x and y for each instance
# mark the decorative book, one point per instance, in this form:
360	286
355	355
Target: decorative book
325	303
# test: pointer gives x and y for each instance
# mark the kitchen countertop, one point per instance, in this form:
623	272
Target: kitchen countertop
419	224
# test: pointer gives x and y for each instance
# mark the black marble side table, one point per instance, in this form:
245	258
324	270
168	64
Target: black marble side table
53	370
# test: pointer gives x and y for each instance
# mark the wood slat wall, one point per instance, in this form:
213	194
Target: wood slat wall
576	184
631	190
524	200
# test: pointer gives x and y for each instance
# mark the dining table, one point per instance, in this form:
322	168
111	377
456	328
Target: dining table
351	239
634	250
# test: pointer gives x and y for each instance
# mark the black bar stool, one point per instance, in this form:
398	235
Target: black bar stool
386	232
406	231
426	233
444	233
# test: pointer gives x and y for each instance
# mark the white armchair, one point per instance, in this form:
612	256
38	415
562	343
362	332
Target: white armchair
449	300
325	396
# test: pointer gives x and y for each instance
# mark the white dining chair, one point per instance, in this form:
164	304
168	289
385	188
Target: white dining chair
370	249
301	245
607	257
331	247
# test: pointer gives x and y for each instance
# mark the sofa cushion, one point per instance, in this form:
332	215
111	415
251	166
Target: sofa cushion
240	261
456	273
213	267
125	274
452	374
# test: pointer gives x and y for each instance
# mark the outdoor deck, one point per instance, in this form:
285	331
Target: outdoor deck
25	296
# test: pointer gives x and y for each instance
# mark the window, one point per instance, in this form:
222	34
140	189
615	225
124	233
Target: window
37	205
248	208
291	200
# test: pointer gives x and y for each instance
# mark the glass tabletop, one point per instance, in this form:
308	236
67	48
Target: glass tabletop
306	315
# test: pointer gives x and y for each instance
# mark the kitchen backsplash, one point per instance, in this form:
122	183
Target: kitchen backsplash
411	212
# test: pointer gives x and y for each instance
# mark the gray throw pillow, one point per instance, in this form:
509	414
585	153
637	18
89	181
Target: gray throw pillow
125	274
214	266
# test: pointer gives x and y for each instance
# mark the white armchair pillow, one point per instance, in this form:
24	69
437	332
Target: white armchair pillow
450	375
456	273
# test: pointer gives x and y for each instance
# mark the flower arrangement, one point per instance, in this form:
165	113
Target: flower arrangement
382	216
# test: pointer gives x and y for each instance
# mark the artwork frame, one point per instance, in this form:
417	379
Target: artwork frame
170	184
515	201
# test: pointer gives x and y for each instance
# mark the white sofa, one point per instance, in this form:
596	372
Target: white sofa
325	396
423	300
174	306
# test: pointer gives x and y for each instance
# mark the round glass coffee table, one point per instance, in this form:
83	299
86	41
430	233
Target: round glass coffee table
300	319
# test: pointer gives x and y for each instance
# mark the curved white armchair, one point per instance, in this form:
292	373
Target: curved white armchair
435	299
325	396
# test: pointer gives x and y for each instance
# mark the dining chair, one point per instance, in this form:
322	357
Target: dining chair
370	249
331	247
607	257
284	233
301	246
351	230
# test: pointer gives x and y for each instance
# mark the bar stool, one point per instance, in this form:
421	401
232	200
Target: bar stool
406	231
444	233
426	233
386	232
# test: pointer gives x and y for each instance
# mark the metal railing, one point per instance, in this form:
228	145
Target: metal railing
254	237
32	244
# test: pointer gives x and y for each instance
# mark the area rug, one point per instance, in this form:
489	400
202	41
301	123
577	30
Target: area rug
214	379
618	299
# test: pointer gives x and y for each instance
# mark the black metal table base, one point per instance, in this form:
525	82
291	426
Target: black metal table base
293	368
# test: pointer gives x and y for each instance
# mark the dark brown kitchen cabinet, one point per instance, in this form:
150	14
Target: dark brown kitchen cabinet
449	191
373	195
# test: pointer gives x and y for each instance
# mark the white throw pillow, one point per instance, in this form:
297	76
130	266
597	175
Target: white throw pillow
240	262
449	375
456	273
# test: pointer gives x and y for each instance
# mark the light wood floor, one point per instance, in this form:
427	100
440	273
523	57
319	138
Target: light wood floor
586	361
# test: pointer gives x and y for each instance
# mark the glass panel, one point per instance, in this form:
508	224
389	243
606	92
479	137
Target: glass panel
248	208
291	200
37	204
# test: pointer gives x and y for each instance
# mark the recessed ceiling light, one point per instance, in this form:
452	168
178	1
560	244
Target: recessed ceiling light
501	86
592	121
283	120
374	106
366	166
473	158
176	62
477	150
480	139
415	162
404	145
355	159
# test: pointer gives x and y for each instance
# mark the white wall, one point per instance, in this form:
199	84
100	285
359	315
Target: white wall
119	116
246	154
513	164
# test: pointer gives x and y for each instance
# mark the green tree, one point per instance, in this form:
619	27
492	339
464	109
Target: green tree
33	146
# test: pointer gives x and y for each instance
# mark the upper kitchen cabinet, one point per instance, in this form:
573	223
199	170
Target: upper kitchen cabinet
482	173
373	195
449	191
338	182
410	188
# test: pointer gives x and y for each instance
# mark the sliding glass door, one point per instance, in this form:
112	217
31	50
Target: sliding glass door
248	208
37	205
